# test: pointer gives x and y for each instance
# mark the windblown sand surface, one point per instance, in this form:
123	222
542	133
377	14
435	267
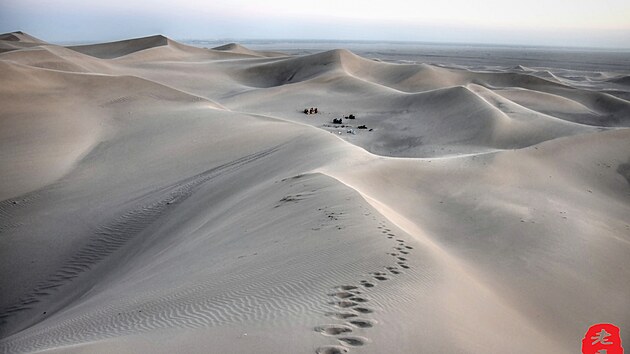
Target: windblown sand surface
157	197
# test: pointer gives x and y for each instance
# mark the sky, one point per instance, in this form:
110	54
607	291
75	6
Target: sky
570	23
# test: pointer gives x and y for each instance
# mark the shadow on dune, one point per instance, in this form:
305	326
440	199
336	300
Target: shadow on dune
624	171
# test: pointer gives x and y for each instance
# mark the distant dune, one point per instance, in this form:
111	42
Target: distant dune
17	40
20	37
623	80
120	48
158	197
239	49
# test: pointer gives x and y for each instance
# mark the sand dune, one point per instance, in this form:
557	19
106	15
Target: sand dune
120	48
156	197
57	58
624	80
41	140
21	37
601	109
239	49
17	40
167	49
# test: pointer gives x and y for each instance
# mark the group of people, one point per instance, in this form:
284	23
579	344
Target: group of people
313	110
340	121
350	131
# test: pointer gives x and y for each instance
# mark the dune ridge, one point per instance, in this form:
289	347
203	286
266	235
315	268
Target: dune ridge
158	190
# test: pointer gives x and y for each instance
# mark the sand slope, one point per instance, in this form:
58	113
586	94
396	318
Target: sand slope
156	197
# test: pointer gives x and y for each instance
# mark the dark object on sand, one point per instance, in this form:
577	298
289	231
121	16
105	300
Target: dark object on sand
315	110
370	129
305	110
361	127
351	116
337	121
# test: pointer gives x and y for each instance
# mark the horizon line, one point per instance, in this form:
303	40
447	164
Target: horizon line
448	43
227	40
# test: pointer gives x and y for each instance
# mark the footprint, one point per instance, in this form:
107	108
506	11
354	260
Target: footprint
333	330
399	240
409	247
390	234
362	323
402	258
395	272
363	310
381	278
367	284
404	266
353	341
341	315
342	295
378	273
344	304
347	287
331	349
358	299
404	252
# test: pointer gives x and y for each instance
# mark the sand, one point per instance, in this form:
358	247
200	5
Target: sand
157	197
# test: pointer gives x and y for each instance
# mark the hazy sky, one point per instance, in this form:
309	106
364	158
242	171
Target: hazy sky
603	23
